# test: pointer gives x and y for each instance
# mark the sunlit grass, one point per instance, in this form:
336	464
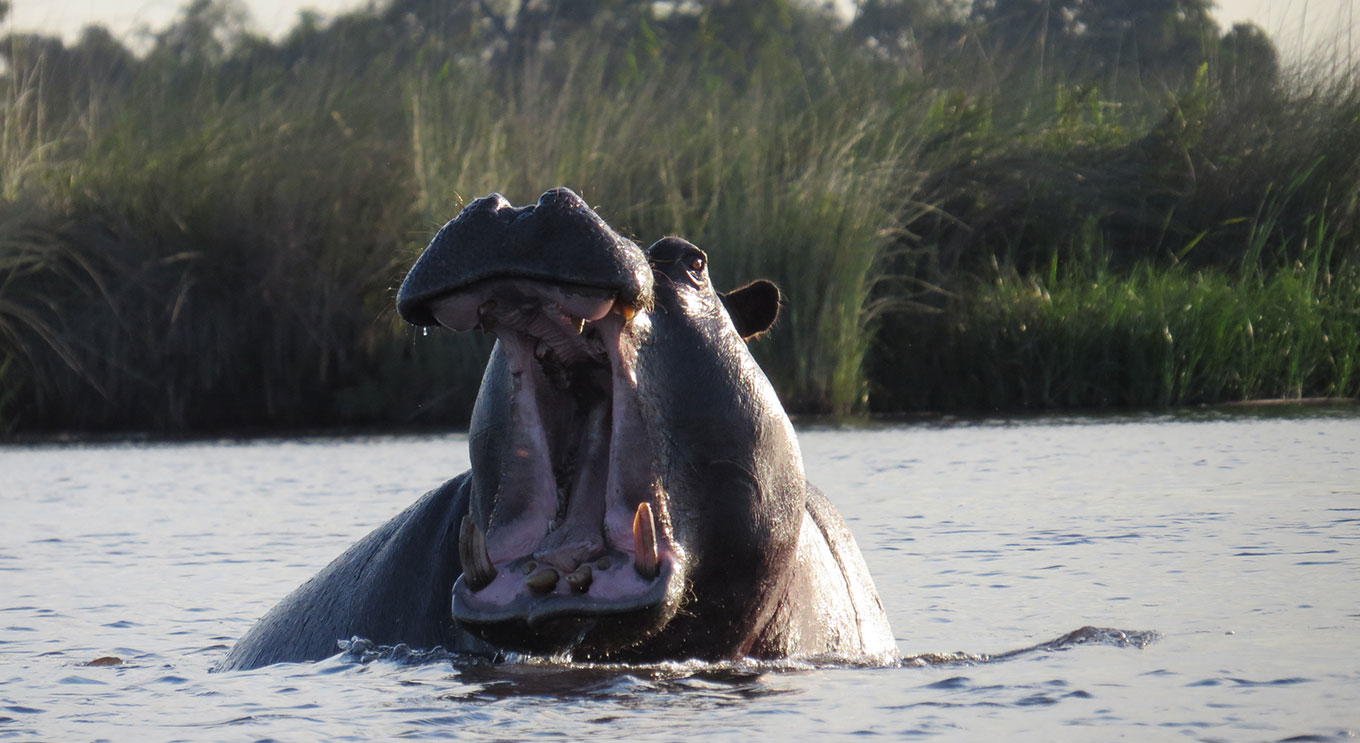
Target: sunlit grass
1146	338
795	177
221	246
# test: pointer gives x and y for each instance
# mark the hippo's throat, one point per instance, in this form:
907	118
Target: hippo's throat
573	553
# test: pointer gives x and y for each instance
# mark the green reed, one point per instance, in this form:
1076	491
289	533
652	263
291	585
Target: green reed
1150	336
795	177
218	243
1091	261
196	262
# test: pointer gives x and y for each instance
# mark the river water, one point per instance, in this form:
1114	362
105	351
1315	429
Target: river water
1219	552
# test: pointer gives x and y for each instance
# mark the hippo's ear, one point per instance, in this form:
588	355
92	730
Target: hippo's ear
753	307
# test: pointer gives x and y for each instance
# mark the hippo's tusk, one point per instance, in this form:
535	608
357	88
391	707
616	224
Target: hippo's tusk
645	560
478	572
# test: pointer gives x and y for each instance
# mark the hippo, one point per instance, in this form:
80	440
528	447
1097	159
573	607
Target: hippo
636	491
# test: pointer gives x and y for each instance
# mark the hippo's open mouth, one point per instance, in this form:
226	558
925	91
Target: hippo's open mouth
576	554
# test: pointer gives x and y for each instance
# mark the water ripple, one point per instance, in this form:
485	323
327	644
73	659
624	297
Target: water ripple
1038	528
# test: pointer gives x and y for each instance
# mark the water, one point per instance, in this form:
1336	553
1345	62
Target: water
1234	538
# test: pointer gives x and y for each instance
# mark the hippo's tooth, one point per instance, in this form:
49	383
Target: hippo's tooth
485	315
478	572
580	579
542	581
645	559
628	311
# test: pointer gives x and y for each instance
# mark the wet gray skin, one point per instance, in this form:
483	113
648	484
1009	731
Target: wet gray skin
636	492
559	241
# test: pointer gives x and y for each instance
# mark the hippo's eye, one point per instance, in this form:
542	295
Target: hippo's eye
696	263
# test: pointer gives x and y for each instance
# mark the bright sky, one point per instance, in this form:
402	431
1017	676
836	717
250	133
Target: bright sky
1300	27
122	17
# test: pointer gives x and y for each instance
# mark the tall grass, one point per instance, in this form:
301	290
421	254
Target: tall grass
199	263
1208	255
217	243
1086	336
798	176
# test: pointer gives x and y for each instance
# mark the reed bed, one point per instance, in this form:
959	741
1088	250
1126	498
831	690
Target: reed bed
1148	338
796	178
216	244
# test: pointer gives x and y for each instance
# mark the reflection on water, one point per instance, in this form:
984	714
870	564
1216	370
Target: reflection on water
1231	534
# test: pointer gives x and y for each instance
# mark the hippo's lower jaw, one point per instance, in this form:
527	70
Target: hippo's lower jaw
576	553
583	626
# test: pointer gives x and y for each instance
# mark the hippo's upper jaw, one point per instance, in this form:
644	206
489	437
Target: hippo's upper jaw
568	544
560	240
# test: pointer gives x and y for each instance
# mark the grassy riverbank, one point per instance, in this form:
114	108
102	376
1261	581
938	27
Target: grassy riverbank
1147	338
210	236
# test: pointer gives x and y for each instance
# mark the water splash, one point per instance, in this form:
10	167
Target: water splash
364	651
360	650
1119	638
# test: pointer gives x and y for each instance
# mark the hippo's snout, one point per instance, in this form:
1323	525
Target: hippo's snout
559	241
568	540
